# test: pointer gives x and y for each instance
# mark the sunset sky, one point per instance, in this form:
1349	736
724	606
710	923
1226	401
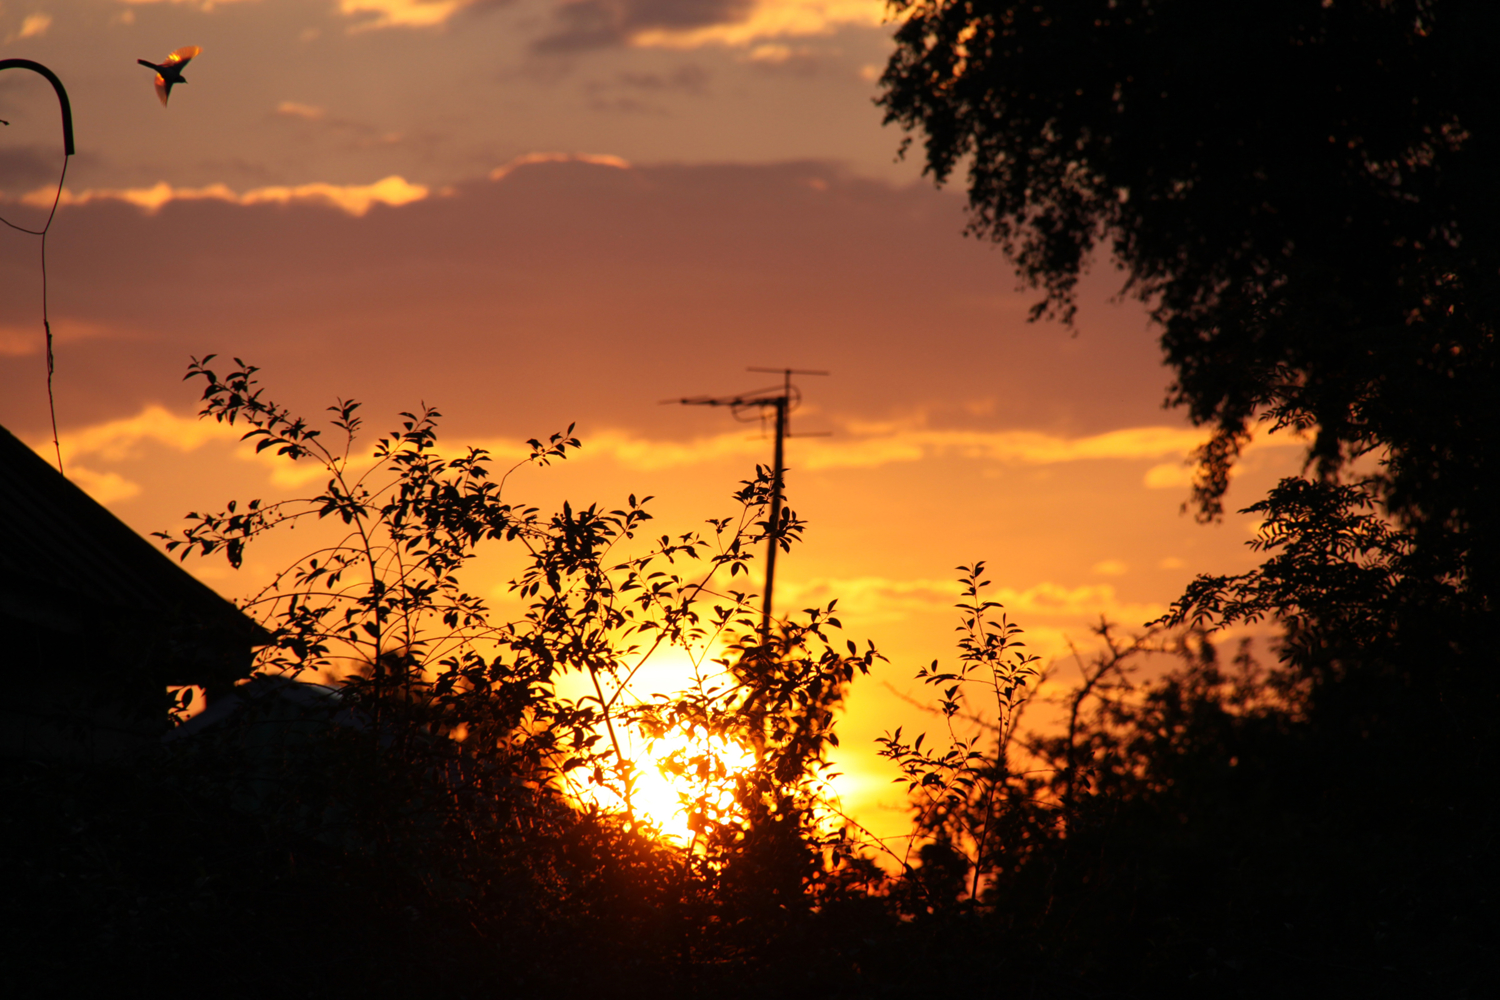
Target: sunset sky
535	212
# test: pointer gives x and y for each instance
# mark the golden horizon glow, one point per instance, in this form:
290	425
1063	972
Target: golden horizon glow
862	446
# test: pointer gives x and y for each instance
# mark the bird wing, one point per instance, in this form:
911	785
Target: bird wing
162	90
183	54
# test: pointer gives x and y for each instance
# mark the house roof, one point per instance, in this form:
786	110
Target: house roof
65	558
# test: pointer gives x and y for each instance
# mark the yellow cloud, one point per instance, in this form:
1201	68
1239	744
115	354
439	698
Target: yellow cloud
891	595
200	4
1049	612
873	598
369	13
773	53
766	19
1088	601
117	440
1110	567
1168	475
1181	474
1037	448
356	199
400	13
880	446
104	487
771	19
870	445
291	109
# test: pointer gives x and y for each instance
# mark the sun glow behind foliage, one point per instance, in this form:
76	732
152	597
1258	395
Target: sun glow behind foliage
678	776
682	779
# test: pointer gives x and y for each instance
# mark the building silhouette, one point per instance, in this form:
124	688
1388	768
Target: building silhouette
96	622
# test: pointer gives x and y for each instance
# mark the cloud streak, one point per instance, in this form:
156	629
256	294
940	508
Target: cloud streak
531	159
115	439
354	199
598	24
770	19
1048	610
584	25
371	14
869	446
23	341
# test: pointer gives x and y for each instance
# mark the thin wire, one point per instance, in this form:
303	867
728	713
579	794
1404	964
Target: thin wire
46	321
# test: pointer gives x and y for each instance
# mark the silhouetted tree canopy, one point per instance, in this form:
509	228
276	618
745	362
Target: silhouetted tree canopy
1303	191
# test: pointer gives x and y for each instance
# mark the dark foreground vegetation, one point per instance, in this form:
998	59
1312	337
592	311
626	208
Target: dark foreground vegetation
1321	246
1318	826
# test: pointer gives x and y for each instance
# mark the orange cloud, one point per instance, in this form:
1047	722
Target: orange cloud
32	26
17	342
24	341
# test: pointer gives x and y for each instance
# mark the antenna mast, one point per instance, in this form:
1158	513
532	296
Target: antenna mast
782	397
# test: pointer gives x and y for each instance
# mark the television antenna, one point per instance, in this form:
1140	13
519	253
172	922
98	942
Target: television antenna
783	399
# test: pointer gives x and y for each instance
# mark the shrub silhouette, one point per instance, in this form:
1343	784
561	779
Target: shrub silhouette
451	753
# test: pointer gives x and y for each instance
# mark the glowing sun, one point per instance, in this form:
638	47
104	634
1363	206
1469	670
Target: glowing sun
682	778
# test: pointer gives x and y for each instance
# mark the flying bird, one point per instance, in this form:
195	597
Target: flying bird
170	70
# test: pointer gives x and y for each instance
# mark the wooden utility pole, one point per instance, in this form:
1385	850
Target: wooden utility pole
782	398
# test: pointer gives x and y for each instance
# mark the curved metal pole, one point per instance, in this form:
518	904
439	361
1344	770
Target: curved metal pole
62	95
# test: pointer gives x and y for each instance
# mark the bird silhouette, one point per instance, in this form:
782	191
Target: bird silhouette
170	70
